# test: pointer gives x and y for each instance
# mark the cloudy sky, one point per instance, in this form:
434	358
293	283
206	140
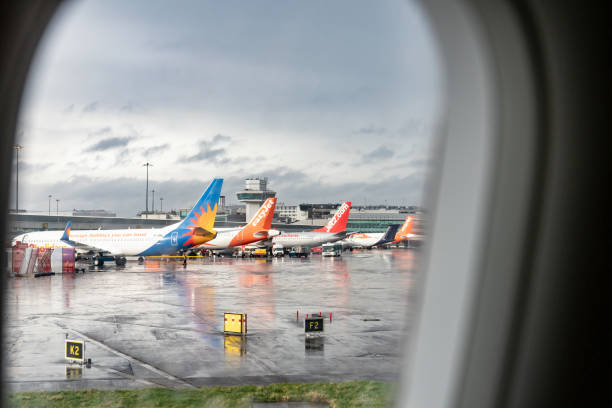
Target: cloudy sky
332	101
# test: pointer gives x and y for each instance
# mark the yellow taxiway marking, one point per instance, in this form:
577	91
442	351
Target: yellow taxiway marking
175	256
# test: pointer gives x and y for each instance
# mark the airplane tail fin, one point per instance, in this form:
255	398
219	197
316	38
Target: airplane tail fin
405	230
338	221
389	234
204	211
258	227
407	226
66	234
262	220
199	224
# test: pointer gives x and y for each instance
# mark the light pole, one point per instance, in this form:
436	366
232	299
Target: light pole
153	201
147	165
49	204
57	208
161	204
17	148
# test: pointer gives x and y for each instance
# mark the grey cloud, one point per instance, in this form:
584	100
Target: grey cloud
370	130
155	149
126	195
284	176
91	107
404	191
418	164
28	167
312	82
221	138
101	131
382	152
207	151
109	143
330	69
123	157
215	155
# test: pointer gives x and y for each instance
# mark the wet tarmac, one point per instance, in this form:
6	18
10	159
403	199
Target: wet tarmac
160	324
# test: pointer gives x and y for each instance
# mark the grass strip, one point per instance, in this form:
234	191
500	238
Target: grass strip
337	395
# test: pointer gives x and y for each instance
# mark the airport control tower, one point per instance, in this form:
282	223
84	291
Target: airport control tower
255	193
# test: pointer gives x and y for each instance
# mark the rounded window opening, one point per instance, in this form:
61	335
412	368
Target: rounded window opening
131	109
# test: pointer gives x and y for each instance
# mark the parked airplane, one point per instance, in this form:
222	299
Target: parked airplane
333	231
406	232
368	240
257	229
194	230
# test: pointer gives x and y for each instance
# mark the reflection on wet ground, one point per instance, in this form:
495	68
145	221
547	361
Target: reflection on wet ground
158	323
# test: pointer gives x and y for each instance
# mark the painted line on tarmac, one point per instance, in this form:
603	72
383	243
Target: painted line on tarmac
147	382
131	359
175	256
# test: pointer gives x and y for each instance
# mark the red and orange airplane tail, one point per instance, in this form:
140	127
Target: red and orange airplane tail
258	226
338	221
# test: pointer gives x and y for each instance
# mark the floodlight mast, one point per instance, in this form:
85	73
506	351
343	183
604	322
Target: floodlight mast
147	165
17	148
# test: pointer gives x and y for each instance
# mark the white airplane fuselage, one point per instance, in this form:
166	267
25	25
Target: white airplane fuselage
124	242
363	240
195	229
42	239
308	239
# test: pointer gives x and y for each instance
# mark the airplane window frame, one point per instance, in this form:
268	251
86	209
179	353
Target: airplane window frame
543	102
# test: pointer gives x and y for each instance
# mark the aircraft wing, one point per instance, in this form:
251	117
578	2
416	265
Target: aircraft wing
263	243
84	247
76	244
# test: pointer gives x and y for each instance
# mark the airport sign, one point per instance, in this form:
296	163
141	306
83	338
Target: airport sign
313	324
235	323
75	350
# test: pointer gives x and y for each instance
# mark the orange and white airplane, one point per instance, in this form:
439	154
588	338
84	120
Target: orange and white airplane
257	229
406	232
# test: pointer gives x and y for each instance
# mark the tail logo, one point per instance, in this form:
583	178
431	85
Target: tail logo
200	224
337	216
263	211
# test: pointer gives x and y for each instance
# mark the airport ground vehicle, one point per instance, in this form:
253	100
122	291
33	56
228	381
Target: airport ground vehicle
299	252
316	250
334	249
278	250
259	252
